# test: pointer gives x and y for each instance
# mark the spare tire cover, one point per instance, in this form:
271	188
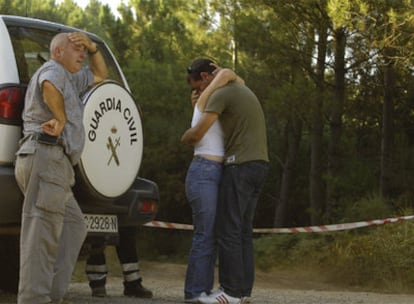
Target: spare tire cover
113	143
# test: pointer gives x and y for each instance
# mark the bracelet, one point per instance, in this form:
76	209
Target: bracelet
94	52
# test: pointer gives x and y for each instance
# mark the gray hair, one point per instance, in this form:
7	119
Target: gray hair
60	40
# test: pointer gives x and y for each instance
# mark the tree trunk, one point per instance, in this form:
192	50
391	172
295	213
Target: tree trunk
335	153
317	194
294	134
387	139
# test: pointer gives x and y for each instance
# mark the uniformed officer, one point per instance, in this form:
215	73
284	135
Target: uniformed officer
96	268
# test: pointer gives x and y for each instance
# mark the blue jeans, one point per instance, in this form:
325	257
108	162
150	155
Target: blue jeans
202	183
239	192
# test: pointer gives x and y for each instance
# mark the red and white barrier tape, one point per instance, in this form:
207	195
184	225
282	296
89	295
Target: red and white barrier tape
323	228
157	224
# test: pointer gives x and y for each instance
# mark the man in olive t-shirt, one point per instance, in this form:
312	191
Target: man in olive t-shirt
245	171
242	120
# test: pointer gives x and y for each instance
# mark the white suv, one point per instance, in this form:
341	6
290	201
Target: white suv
108	188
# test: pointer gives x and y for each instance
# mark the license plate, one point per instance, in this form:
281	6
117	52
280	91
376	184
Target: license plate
101	223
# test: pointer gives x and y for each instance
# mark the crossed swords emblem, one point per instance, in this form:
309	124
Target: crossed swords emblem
112	147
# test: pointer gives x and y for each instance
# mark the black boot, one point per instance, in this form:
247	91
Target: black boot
135	289
99	291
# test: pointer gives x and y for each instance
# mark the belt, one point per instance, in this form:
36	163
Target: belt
200	157
197	157
47	139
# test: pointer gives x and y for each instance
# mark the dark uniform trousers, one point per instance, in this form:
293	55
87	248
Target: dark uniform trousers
96	268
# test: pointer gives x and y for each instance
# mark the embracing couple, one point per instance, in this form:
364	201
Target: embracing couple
223	183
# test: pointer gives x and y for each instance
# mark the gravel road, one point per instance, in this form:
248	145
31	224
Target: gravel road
166	281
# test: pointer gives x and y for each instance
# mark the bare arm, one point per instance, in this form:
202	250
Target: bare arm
194	134
98	66
54	100
222	77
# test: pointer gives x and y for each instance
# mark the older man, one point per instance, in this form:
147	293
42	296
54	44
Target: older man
53	227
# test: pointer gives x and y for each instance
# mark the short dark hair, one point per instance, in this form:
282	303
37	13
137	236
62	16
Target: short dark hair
200	65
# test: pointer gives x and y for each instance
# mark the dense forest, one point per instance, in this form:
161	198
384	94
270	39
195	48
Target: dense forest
335	78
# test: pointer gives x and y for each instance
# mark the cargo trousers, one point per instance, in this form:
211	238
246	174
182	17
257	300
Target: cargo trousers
53	228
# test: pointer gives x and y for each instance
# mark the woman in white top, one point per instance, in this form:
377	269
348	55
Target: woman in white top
202	180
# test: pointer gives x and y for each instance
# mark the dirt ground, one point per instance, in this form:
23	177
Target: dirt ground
166	281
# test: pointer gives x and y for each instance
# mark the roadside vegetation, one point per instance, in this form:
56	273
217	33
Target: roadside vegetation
375	258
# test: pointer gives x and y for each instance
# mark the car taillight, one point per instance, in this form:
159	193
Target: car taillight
12	102
148	206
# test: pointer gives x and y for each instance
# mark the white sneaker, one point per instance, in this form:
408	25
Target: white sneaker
219	297
195	299
217	291
246	300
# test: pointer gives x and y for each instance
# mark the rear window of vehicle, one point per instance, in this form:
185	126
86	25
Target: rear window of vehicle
31	48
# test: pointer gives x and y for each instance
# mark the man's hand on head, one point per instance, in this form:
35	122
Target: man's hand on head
217	68
79	38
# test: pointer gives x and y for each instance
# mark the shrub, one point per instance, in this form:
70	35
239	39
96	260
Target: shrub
380	258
